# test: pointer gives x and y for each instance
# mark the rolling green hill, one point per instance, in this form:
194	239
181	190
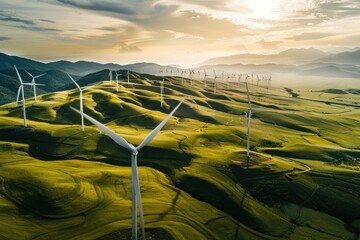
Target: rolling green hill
302	183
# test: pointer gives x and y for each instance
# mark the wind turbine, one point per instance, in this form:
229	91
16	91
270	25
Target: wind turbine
248	115
269	82
33	81
162	91
117	75
135	192
239	79
21	89
205	76
117	80
228	80
110	75
247	78
128	76
191	75
215	77
81	101
183	72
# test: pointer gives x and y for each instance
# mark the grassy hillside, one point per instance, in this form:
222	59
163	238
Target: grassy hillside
302	183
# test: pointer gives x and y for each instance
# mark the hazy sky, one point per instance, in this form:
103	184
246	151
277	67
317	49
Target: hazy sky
173	31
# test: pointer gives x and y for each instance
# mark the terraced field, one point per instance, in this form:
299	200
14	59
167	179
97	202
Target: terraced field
303	181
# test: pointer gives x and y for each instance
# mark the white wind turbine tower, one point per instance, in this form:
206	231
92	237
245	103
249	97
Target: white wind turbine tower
205	77
215	77
162	91
21	89
81	101
117	81
228	80
117	75
33	81
269	82
191	75
248	115
183	72
110	75
239	79
247	78
135	192
128	76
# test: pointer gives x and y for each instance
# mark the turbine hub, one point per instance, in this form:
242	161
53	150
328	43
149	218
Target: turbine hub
135	152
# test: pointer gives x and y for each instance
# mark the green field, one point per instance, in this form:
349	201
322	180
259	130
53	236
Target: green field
303	181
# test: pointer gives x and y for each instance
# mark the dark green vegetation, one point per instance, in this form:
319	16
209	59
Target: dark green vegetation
56	78
303	181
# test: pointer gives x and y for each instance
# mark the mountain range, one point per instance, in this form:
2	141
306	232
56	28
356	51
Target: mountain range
309	62
295	56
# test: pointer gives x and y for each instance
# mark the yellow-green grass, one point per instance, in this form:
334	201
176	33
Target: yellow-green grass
58	182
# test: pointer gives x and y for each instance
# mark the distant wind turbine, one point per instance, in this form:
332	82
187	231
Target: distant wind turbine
110	75
33	81
135	192
128	76
239	79
81	101
248	115
162	92
205	77
117	80
21	89
215	77
191	75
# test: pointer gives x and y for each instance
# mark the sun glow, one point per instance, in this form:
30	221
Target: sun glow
264	8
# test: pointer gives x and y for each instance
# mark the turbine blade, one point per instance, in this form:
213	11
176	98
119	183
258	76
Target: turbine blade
87	88
40	75
18	74
77	85
29	74
153	133
118	139
260	110
33	84
18	95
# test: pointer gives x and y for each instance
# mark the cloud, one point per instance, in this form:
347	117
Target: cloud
17	20
47	20
239	47
118	7
309	36
37	28
198	25
4	38
221	5
109	29
268	45
153	16
129	48
30	25
339	8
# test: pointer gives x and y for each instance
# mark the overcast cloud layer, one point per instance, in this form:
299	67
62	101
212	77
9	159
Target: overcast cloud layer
173	31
